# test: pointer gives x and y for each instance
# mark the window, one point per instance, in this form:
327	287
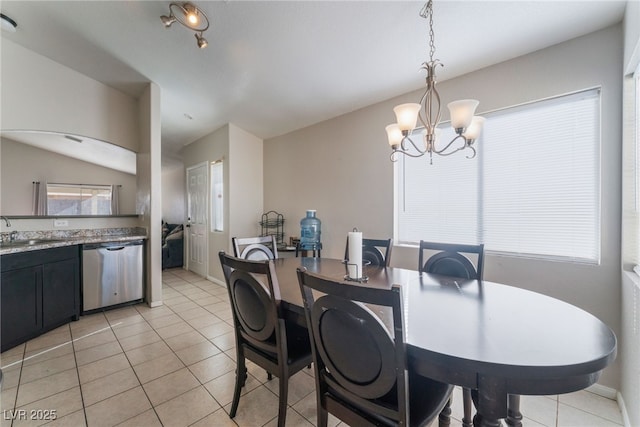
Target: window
79	199
217	196
533	189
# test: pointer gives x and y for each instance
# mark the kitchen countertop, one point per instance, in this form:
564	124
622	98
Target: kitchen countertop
56	239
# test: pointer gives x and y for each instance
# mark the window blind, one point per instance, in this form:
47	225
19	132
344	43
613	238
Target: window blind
533	189
541	173
439	201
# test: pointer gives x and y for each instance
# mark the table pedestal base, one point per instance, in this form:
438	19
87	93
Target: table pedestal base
514	416
495	407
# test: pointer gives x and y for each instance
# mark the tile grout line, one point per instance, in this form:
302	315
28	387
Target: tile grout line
15	400
84	408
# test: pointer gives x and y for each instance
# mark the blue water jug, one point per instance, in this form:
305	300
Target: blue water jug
310	231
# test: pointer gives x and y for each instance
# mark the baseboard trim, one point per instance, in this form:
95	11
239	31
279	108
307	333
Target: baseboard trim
613	394
604	391
216	281
623	409
155	304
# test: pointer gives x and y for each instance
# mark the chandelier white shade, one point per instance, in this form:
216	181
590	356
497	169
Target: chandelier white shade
462	112
466	125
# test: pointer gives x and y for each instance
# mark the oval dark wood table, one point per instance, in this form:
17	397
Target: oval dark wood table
497	339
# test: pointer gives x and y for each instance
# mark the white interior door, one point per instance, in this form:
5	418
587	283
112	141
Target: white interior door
197	202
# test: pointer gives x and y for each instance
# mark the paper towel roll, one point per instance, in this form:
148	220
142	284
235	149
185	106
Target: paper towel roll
354	265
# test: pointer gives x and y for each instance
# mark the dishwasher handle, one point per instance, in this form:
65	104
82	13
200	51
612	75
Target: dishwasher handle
111	246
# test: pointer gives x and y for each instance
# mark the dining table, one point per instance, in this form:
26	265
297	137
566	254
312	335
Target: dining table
498	340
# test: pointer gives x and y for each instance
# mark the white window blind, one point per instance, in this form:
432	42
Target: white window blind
439	201
533	189
541	178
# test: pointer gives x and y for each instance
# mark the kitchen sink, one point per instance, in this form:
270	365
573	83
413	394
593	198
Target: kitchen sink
28	242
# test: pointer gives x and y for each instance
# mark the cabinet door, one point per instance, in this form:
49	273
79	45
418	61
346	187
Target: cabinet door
60	292
21	293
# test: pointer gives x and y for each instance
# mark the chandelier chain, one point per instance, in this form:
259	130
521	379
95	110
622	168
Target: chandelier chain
428	111
427	13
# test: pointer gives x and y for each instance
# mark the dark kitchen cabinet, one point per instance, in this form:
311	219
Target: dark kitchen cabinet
39	291
20	292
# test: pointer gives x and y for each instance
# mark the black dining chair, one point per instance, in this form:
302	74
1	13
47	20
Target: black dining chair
262	334
376	251
450	260
255	248
360	361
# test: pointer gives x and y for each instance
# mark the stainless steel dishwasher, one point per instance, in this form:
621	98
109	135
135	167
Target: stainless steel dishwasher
112	273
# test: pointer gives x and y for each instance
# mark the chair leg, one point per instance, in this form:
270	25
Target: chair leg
241	377
323	416
269	376
283	395
467	419
444	419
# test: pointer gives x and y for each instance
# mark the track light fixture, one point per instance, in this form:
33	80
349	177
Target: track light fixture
190	16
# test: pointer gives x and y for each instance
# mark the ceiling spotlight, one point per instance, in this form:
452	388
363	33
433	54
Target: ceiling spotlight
193	17
190	16
167	20
202	42
7	24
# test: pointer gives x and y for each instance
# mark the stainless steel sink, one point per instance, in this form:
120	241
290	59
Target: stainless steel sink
28	242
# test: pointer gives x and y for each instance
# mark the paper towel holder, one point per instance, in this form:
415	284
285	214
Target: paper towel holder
348	278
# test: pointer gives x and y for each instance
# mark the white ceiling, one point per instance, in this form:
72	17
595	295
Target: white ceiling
275	66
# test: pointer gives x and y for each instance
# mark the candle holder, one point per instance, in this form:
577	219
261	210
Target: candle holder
348	278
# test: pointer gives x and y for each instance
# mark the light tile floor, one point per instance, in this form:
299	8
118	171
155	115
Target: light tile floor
174	366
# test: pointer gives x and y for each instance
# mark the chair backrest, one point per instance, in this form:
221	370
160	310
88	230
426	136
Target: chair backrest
255	248
255	298
360	362
376	251
451	261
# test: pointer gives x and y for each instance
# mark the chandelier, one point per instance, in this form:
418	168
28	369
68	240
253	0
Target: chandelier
190	16
466	125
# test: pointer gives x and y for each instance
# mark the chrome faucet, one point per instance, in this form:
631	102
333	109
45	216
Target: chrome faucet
6	220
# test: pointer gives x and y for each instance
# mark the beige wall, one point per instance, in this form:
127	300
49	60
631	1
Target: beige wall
43	224
40	94
246	182
341	168
173	195
21	164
